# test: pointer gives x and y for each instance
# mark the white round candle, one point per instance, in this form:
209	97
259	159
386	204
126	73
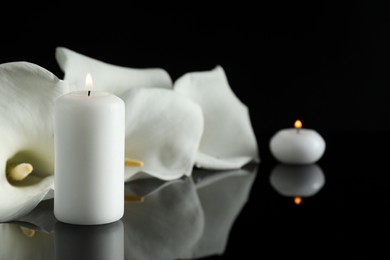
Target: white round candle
297	145
89	158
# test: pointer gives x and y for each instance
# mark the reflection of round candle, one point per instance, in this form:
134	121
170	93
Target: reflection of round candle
297	145
297	180
89	158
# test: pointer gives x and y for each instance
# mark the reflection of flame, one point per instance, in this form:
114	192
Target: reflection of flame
297	200
298	124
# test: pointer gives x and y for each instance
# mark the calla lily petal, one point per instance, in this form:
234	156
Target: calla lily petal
163	130
228	141
27	95
107	77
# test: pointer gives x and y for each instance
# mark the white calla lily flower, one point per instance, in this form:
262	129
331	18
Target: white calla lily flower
163	130
228	141
108	77
27	95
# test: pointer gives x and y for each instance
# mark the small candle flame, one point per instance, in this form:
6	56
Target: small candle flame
88	83
298	124
297	200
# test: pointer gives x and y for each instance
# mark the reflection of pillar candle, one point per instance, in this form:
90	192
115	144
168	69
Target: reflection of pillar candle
89	157
82	242
297	180
297	145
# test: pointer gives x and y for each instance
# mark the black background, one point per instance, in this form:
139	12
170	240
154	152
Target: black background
324	63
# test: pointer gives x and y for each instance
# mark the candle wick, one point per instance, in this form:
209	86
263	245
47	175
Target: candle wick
89	93
298	130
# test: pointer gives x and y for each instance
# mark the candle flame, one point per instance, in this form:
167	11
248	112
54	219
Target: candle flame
88	81
298	124
297	200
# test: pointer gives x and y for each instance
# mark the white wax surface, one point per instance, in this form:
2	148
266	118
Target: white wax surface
89	158
297	147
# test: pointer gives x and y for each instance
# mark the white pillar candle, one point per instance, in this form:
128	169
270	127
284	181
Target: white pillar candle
89	138
297	145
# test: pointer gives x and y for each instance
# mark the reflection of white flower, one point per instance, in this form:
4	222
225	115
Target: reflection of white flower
196	212
27	94
222	195
107	77
19	242
228	141
166	225
163	130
